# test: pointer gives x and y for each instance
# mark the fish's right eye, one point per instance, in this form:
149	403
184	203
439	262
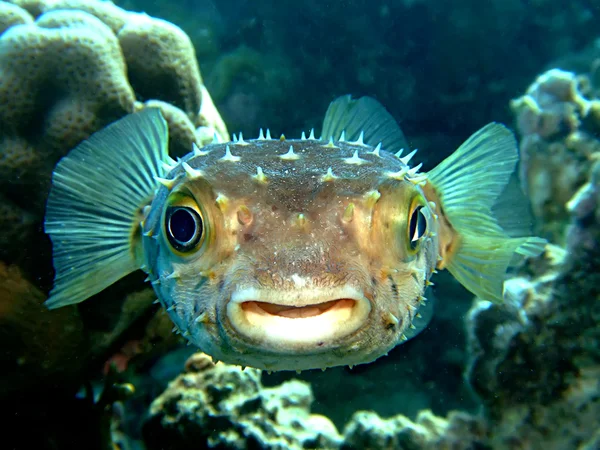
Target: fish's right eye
184	227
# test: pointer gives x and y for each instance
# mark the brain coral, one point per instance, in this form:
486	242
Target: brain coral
67	69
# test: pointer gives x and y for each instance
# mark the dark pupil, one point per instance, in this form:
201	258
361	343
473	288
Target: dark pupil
184	227
417	226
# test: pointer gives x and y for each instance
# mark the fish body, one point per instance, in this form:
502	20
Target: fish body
283	254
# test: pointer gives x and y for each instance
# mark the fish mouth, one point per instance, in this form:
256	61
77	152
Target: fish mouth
291	321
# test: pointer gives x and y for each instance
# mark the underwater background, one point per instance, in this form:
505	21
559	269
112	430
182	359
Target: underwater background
109	373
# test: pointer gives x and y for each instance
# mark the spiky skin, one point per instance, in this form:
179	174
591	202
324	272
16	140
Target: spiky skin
293	223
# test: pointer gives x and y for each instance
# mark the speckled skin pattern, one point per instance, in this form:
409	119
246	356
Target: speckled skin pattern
289	225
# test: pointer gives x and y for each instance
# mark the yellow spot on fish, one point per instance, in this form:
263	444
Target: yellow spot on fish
222	202
260	177
290	155
329	176
348	213
371	198
330	144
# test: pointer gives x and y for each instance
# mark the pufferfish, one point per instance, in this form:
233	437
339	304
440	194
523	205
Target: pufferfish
286	254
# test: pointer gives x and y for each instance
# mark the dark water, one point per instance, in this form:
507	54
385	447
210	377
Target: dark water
443	70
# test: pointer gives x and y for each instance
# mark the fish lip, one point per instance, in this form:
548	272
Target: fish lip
286	334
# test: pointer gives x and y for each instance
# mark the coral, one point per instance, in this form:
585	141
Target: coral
69	68
536	358
368	430
218	405
557	123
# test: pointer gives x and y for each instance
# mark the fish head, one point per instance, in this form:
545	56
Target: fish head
282	254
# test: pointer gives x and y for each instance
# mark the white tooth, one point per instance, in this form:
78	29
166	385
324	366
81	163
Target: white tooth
261	136
312	134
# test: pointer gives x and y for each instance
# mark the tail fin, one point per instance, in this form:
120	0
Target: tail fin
468	185
93	210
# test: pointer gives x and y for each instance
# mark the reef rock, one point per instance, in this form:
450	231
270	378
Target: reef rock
224	406
558	119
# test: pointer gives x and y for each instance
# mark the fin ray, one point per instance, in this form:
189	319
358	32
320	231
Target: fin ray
363	115
97	191
470	183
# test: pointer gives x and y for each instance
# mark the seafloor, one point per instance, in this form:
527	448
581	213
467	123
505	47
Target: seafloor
109	373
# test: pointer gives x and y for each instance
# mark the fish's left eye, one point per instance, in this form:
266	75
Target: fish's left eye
184	228
417	226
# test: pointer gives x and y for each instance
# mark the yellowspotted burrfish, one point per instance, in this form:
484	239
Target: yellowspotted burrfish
286	254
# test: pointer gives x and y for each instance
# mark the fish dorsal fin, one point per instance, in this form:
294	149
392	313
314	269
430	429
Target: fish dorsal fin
367	115
93	210
469	183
